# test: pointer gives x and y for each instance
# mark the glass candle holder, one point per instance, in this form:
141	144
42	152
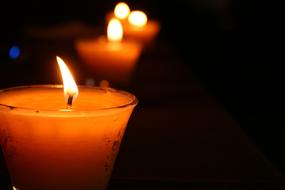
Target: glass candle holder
49	147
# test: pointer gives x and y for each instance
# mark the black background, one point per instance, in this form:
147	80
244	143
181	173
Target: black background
234	47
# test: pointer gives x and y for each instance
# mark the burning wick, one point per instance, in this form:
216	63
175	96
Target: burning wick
69	85
69	102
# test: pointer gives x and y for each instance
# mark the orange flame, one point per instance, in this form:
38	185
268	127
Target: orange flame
122	10
69	85
115	30
137	18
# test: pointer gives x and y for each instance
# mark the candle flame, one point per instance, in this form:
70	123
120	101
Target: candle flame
69	85
122	10
115	30
137	18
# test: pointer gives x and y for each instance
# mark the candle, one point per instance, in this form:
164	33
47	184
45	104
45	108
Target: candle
140	28
121	12
110	58
51	146
135	24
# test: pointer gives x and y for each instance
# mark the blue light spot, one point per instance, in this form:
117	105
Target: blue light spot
14	52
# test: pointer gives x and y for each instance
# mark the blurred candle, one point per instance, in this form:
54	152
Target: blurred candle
140	28
137	18
49	147
110	58
121	12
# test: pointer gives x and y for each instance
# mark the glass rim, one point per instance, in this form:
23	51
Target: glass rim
133	100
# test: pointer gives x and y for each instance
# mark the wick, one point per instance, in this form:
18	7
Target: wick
69	102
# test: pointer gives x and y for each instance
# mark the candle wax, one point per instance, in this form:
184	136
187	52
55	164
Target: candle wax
47	147
144	34
114	61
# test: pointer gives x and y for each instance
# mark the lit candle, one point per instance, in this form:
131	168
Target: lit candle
135	23
140	28
121	12
110	58
48	146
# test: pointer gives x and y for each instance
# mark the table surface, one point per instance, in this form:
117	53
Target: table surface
179	137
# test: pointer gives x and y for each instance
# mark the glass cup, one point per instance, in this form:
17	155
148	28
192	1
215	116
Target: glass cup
47	147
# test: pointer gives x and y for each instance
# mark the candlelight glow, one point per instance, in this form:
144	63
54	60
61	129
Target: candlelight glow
115	30
122	10
69	85
137	18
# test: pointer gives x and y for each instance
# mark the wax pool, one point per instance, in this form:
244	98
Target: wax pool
47	147
113	61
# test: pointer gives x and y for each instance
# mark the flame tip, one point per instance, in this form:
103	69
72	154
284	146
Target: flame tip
59	59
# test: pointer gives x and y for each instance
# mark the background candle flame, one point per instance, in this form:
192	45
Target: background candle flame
137	18
122	10
69	85
115	30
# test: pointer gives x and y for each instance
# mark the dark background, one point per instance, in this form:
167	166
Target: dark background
233	47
